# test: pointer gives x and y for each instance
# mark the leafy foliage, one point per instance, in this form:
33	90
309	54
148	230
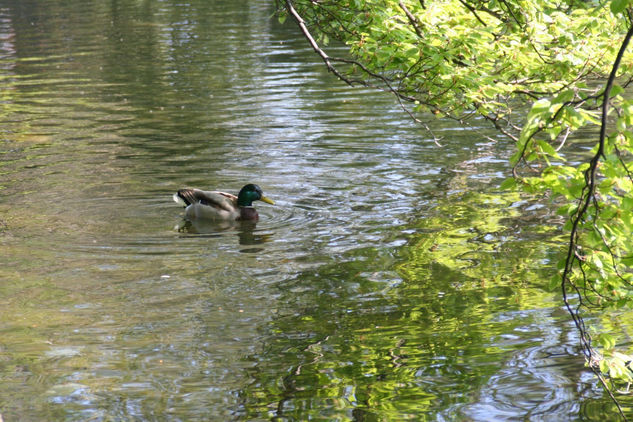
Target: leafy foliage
462	59
473	59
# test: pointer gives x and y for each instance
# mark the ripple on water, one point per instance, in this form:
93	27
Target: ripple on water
113	304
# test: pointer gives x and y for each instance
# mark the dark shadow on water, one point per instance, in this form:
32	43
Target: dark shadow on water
245	230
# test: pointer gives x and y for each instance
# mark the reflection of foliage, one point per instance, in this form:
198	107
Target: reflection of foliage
481	219
468	58
406	337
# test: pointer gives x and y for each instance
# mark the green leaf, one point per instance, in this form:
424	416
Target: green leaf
618	6
590	115
508	184
615	90
606	341
540	106
574	117
563	97
547	148
283	15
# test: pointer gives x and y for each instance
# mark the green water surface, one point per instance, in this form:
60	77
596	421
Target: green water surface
391	281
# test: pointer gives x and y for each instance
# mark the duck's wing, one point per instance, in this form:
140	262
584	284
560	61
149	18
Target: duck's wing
220	200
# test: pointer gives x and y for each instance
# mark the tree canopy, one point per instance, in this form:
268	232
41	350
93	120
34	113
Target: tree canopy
550	75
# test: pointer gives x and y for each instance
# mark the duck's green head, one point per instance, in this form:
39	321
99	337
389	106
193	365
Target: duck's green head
250	193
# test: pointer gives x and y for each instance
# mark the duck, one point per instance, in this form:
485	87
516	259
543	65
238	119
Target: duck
221	206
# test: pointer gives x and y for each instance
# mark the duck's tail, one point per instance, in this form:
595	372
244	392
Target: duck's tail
180	197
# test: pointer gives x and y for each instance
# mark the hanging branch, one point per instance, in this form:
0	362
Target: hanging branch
587	197
328	63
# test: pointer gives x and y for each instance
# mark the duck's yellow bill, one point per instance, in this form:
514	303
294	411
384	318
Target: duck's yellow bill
268	200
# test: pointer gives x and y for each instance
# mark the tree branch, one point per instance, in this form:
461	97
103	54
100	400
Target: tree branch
415	23
473	11
306	32
587	196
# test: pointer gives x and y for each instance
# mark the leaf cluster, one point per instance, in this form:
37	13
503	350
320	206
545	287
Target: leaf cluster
467	58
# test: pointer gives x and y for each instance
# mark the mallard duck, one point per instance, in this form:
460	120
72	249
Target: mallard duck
215	205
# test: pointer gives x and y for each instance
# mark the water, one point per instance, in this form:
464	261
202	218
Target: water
391	281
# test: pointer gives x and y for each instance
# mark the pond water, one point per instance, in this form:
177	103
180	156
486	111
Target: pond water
392	280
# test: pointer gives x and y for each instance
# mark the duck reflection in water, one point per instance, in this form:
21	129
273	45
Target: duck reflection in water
245	230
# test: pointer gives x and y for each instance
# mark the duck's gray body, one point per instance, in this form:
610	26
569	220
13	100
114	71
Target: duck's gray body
222	206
